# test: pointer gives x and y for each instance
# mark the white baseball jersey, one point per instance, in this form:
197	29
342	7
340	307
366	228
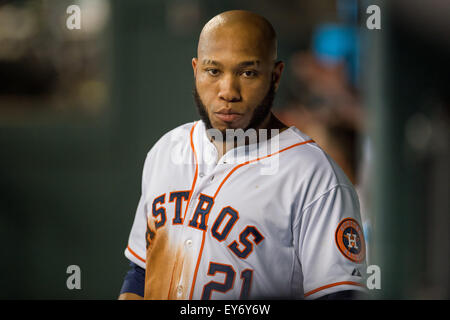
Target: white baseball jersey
264	223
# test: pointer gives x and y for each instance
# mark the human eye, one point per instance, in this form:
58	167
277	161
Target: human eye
249	73
213	72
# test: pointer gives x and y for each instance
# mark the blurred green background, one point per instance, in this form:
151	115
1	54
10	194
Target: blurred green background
79	110
70	179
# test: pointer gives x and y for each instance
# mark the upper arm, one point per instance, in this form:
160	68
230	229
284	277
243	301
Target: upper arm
137	247
330	244
344	295
130	296
133	284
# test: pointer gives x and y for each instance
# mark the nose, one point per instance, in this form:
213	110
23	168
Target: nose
229	89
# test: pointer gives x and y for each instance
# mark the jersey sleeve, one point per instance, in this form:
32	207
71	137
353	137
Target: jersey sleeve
136	248
331	245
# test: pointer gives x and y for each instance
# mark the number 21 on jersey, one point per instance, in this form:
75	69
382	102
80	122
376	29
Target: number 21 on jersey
227	285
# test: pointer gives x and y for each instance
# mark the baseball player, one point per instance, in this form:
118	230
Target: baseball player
271	217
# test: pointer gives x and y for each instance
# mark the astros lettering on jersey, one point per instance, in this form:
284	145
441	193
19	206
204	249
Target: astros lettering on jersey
222	230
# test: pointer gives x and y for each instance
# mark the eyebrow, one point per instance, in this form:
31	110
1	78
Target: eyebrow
248	63
242	64
215	63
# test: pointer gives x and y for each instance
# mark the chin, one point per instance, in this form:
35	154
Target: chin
221	125
224	126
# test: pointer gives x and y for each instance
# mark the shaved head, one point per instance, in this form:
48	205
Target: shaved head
236	72
247	28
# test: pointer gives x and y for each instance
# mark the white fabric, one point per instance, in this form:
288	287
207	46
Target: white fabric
296	210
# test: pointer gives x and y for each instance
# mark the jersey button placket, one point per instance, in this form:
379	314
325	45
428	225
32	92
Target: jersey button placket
179	290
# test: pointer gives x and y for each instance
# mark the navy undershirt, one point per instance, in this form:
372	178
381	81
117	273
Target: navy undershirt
134	281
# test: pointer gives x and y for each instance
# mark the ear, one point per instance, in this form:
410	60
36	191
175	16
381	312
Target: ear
276	74
194	66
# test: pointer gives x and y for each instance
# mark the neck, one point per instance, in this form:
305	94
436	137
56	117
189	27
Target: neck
271	122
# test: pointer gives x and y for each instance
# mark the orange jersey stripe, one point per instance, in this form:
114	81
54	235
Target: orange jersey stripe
190	192
135	254
257	159
215	195
196	170
333	285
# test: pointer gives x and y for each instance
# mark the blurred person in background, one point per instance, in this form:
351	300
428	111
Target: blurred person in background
324	102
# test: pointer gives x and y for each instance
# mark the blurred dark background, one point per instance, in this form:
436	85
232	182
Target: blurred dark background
79	110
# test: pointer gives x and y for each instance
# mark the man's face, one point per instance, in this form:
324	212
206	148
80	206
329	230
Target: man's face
235	79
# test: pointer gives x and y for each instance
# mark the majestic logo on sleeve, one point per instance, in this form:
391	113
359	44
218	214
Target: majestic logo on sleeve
350	240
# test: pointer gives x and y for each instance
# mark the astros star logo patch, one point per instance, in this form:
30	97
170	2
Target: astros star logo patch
350	240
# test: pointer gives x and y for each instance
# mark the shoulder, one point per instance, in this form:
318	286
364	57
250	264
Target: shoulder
174	143
179	134
314	171
176	137
309	160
